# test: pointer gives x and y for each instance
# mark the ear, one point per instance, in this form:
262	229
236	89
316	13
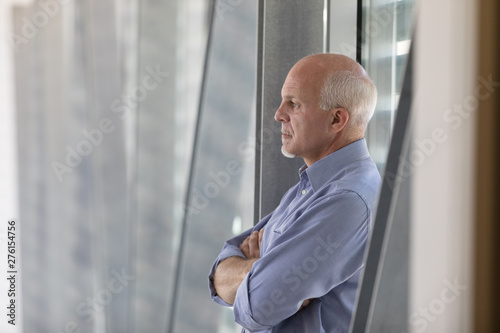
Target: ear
340	117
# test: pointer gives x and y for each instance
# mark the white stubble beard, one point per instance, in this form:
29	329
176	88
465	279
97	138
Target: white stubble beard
284	152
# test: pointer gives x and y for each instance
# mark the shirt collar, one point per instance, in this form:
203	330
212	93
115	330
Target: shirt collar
323	170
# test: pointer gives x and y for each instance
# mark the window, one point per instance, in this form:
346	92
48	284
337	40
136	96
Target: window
386	37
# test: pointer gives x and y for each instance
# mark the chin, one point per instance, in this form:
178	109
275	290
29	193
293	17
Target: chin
286	153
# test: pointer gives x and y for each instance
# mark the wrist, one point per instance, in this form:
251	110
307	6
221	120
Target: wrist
247	267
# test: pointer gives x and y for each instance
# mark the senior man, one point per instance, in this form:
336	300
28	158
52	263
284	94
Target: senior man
298	269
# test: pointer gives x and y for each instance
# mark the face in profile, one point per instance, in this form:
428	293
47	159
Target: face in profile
306	128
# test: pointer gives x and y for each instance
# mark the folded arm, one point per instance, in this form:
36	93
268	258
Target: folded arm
232	271
316	252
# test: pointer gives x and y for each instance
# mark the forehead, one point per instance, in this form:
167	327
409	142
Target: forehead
301	84
292	87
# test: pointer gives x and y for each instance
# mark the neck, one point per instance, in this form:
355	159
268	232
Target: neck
339	142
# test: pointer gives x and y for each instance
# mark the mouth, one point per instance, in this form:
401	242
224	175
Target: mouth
285	138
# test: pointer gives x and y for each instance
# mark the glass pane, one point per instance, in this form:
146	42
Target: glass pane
386	32
171	45
387	28
106	99
222	193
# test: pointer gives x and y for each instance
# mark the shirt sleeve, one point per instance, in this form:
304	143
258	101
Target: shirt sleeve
311	255
231	249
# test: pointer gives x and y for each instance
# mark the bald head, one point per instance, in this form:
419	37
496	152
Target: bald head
325	63
339	82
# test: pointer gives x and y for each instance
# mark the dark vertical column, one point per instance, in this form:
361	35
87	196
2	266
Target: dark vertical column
487	229
288	32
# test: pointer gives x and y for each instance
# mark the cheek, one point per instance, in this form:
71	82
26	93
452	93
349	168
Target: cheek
318	132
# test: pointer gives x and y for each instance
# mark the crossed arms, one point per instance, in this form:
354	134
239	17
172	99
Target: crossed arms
232	271
305	260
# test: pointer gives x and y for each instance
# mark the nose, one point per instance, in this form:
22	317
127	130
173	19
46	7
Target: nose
281	114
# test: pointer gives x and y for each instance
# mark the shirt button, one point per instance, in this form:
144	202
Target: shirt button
304	191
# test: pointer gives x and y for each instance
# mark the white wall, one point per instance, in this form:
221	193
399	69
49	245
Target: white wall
441	279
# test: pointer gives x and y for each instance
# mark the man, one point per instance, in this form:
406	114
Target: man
298	269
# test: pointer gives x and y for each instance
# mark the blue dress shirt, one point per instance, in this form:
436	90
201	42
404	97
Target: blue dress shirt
312	248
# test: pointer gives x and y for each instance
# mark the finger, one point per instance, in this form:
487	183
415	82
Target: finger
244	248
254	245
244	244
261	234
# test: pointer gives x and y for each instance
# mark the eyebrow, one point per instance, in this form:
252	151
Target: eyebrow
289	97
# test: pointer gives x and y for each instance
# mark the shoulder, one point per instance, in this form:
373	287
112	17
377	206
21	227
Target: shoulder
360	181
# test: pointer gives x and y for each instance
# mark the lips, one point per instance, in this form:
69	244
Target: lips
285	136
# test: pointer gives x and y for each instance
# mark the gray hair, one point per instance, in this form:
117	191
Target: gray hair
357	94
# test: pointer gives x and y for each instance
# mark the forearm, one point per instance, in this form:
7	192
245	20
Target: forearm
229	275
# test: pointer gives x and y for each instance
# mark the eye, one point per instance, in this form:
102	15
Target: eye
294	105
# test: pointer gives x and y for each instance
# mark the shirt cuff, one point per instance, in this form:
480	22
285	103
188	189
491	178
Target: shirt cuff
243	314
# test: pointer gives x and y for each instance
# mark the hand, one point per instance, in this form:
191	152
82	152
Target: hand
305	303
251	245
